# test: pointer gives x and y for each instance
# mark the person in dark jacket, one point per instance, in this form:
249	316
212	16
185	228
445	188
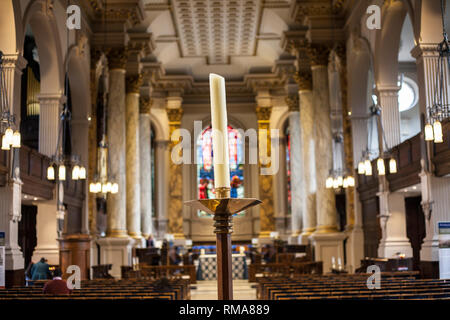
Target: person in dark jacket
57	285
41	270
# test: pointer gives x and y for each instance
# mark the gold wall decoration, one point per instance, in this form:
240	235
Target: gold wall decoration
267	215
175	214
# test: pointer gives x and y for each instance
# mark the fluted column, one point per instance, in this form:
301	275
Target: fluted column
175	213
11	192
116	203
435	191
307	122
145	166
325	198
49	116
390	115
297	193
133	84
267	216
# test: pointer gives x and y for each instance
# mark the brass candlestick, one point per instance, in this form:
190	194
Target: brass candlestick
223	209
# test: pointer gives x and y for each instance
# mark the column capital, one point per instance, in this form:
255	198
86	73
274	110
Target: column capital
133	83
174	115
387	90
263	113
304	80
428	50
318	54
292	102
14	60
117	57
49	98
144	105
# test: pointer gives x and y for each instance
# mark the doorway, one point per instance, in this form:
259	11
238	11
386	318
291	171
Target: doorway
27	232
415	227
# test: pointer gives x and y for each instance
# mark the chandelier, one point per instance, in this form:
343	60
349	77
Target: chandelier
101	183
338	177
440	108
60	160
365	164
10	138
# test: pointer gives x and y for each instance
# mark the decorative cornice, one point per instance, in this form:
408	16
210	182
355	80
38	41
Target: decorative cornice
304	80
133	83
304	8
117	57
144	105
318	54
292	102
174	115
263	113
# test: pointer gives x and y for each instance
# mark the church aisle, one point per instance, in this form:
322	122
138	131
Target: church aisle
207	290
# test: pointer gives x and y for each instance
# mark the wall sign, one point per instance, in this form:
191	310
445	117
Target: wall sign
444	250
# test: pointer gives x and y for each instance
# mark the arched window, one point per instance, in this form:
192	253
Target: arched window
205	167
288	169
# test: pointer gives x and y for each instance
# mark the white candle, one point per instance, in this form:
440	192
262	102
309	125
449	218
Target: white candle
220	131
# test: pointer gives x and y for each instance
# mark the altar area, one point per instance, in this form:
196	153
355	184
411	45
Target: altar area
206	267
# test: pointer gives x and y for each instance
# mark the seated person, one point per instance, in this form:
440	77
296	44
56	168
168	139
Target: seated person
41	270
174	258
270	255
57	285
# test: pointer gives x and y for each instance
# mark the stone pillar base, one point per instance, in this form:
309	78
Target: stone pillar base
390	247
116	251
354	248
326	246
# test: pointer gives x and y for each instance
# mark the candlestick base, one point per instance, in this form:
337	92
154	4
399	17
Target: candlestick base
223	211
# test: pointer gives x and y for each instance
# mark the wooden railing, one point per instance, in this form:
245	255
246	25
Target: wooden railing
157	272
283	270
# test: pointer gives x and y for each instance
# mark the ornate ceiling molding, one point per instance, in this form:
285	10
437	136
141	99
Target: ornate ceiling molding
131	11
217	30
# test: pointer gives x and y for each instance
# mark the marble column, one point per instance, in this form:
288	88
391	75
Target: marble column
390	115
145	166
49	116
175	212
133	83
116	203
304	80
325	198
11	192
326	239
115	249
162	162
297	186
267	216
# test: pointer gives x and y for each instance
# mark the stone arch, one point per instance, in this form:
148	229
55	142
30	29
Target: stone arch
387	44
40	16
11	29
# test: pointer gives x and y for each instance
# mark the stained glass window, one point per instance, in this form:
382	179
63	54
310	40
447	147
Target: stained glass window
288	169
205	168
